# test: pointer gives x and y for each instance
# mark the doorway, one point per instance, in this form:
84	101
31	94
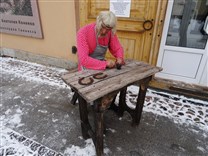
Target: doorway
183	50
139	34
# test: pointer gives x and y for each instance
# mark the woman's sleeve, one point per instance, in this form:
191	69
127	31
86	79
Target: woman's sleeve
115	47
83	54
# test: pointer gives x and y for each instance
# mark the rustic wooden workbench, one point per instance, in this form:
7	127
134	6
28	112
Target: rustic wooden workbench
102	93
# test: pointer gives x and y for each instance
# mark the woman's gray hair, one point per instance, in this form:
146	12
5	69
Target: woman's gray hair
108	19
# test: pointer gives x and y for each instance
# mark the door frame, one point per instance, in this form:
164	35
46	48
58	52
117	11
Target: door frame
162	48
80	6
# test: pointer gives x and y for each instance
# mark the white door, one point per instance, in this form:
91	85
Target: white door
184	49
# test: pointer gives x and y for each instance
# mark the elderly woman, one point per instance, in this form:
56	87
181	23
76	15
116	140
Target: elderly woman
94	39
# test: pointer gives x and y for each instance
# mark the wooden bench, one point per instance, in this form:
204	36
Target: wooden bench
102	92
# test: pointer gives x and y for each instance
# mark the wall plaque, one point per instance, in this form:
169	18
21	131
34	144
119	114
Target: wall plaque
20	17
121	8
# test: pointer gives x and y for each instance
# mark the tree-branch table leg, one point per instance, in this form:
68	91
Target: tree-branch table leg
140	100
137	112
113	105
99	107
98	127
83	117
74	98
122	102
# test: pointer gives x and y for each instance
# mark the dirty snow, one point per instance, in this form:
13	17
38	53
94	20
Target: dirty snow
33	71
87	150
14	144
180	109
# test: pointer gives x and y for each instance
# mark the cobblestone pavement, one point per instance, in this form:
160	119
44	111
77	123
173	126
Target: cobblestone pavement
182	109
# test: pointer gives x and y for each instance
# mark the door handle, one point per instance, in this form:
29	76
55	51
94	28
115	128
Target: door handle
147	25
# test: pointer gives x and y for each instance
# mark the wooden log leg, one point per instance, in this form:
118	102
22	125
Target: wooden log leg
140	100
99	133
113	105
98	128
74	98
122	102
83	117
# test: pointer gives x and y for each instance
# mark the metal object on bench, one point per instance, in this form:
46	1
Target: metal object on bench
118	66
85	81
99	75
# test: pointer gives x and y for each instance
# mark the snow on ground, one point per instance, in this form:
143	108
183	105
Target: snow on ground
180	109
33	71
89	149
14	144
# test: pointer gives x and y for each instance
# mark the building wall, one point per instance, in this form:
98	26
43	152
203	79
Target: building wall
59	30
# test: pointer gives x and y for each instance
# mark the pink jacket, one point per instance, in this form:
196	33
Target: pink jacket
86	43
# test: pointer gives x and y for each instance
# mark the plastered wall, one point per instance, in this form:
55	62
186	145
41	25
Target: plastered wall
59	31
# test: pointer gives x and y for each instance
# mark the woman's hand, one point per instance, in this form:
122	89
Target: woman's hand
110	64
120	61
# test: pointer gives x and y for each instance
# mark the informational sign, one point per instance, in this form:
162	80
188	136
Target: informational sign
121	8
20	18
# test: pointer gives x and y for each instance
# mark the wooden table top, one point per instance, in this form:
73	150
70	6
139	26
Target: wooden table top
131	72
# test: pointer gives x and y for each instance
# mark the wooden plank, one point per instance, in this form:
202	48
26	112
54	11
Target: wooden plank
133	71
158	26
74	77
88	72
115	83
91	96
110	73
109	83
